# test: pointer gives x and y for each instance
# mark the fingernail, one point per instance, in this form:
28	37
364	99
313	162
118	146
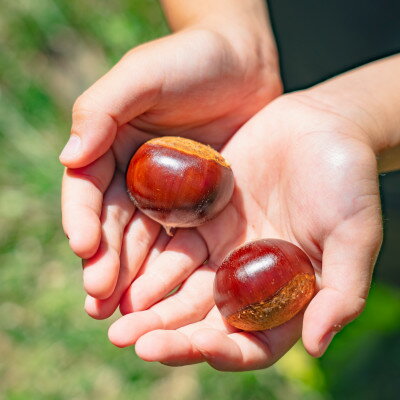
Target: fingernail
72	148
325	342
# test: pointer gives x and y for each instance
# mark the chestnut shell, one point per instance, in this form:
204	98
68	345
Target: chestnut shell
179	182
263	284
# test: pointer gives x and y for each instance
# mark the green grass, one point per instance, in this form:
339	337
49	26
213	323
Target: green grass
49	349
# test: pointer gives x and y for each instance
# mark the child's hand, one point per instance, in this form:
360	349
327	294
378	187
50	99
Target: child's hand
305	172
197	83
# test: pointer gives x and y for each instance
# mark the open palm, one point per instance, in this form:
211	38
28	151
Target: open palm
303	173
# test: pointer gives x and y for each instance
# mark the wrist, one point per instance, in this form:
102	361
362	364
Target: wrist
242	24
254	46
255	52
350	111
370	106
370	97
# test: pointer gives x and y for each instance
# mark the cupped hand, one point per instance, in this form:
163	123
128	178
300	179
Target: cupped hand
196	83
304	172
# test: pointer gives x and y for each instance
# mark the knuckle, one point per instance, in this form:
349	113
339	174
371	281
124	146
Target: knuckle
87	103
80	104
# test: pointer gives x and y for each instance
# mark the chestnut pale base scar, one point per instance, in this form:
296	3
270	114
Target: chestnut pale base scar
272	312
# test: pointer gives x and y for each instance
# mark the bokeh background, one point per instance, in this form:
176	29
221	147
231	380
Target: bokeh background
50	51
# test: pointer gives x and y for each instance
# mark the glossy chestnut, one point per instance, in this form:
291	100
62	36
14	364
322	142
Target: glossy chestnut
179	182
263	284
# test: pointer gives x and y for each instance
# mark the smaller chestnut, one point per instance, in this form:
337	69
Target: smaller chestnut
263	284
179	182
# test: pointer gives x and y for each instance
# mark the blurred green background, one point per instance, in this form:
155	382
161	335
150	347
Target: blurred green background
50	51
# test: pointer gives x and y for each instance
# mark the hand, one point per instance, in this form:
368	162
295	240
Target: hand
197	83
306	173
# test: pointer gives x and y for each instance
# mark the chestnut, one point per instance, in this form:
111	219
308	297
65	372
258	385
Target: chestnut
263	284
179	182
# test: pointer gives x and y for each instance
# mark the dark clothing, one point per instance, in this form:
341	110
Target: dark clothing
318	39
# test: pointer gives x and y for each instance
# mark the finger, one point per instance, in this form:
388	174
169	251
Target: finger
82	196
169	347
159	246
189	304
234	352
100	272
213	320
243	351
125	92
348	259
239	351
175	347
183	254
139	237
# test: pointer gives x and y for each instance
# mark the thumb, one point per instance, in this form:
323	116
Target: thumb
126	91
349	256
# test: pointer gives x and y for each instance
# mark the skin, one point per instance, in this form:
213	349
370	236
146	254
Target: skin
319	191
318	133
212	79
